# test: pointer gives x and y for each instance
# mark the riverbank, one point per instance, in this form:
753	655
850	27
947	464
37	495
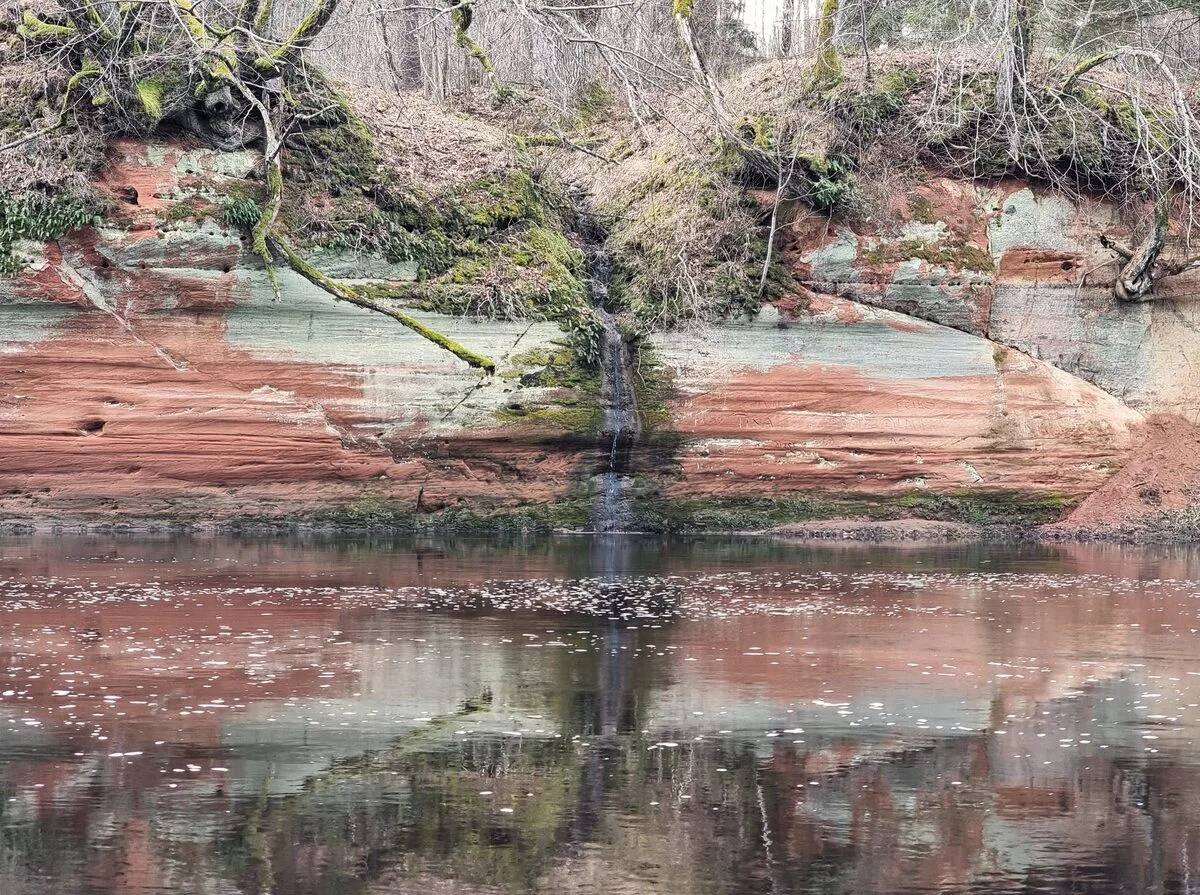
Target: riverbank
895	532
955	356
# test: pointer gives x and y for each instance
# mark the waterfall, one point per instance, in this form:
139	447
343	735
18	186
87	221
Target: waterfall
614	477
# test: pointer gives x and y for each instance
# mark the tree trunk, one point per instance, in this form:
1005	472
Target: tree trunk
1137	279
829	64
1014	20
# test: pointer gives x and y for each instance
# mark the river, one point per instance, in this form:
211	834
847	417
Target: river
608	715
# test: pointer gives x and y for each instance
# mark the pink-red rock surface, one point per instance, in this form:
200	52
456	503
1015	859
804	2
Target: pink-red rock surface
970	344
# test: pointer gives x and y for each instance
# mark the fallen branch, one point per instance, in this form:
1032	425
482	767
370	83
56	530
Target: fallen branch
346	292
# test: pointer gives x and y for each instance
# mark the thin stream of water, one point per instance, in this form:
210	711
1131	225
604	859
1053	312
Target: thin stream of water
614	481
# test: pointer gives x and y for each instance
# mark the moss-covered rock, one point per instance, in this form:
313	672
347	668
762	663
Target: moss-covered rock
40	218
569	390
758	513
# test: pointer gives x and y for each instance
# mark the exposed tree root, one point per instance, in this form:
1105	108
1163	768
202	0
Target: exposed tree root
1144	266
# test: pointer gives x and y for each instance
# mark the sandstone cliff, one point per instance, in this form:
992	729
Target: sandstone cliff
958	355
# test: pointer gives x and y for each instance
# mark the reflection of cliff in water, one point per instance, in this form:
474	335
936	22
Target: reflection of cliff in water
602	738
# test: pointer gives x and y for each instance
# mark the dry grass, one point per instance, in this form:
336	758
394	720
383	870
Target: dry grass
428	144
59	163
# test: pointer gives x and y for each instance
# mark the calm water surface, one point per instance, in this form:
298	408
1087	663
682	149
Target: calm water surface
614	715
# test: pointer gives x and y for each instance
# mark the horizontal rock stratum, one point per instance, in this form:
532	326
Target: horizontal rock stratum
965	360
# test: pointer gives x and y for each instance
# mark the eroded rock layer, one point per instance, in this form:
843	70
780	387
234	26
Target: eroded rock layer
968	347
149	373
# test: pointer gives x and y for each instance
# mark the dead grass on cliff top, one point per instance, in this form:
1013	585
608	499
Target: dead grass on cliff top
429	145
59	163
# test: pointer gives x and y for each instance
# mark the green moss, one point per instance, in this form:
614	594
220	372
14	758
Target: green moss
499	201
573	407
652	391
756	129
537	357
828	70
151	93
954	253
560	264
684	218
922	211
596	104
334	151
683	8
195	208
866	110
33	28
39	218
569	512
974	507
897	83
582	420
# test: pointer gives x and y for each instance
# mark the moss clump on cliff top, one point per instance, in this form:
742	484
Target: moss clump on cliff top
686	245
1116	133
488	241
495	248
862	111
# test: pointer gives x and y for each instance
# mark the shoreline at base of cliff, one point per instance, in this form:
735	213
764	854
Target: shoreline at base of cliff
894	532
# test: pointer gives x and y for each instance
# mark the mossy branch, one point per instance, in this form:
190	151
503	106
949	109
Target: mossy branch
201	32
346	292
272	150
460	21
1183	111
33	28
310	26
102	26
249	12
1099	59
1144	266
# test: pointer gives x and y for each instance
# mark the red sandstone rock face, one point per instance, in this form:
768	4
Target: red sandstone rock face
835	414
164	418
131	399
1047	292
164	385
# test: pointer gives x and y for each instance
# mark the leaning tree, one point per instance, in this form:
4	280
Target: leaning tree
227	76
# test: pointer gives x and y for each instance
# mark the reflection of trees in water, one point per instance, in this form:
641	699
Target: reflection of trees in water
890	823
894	822
732	816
